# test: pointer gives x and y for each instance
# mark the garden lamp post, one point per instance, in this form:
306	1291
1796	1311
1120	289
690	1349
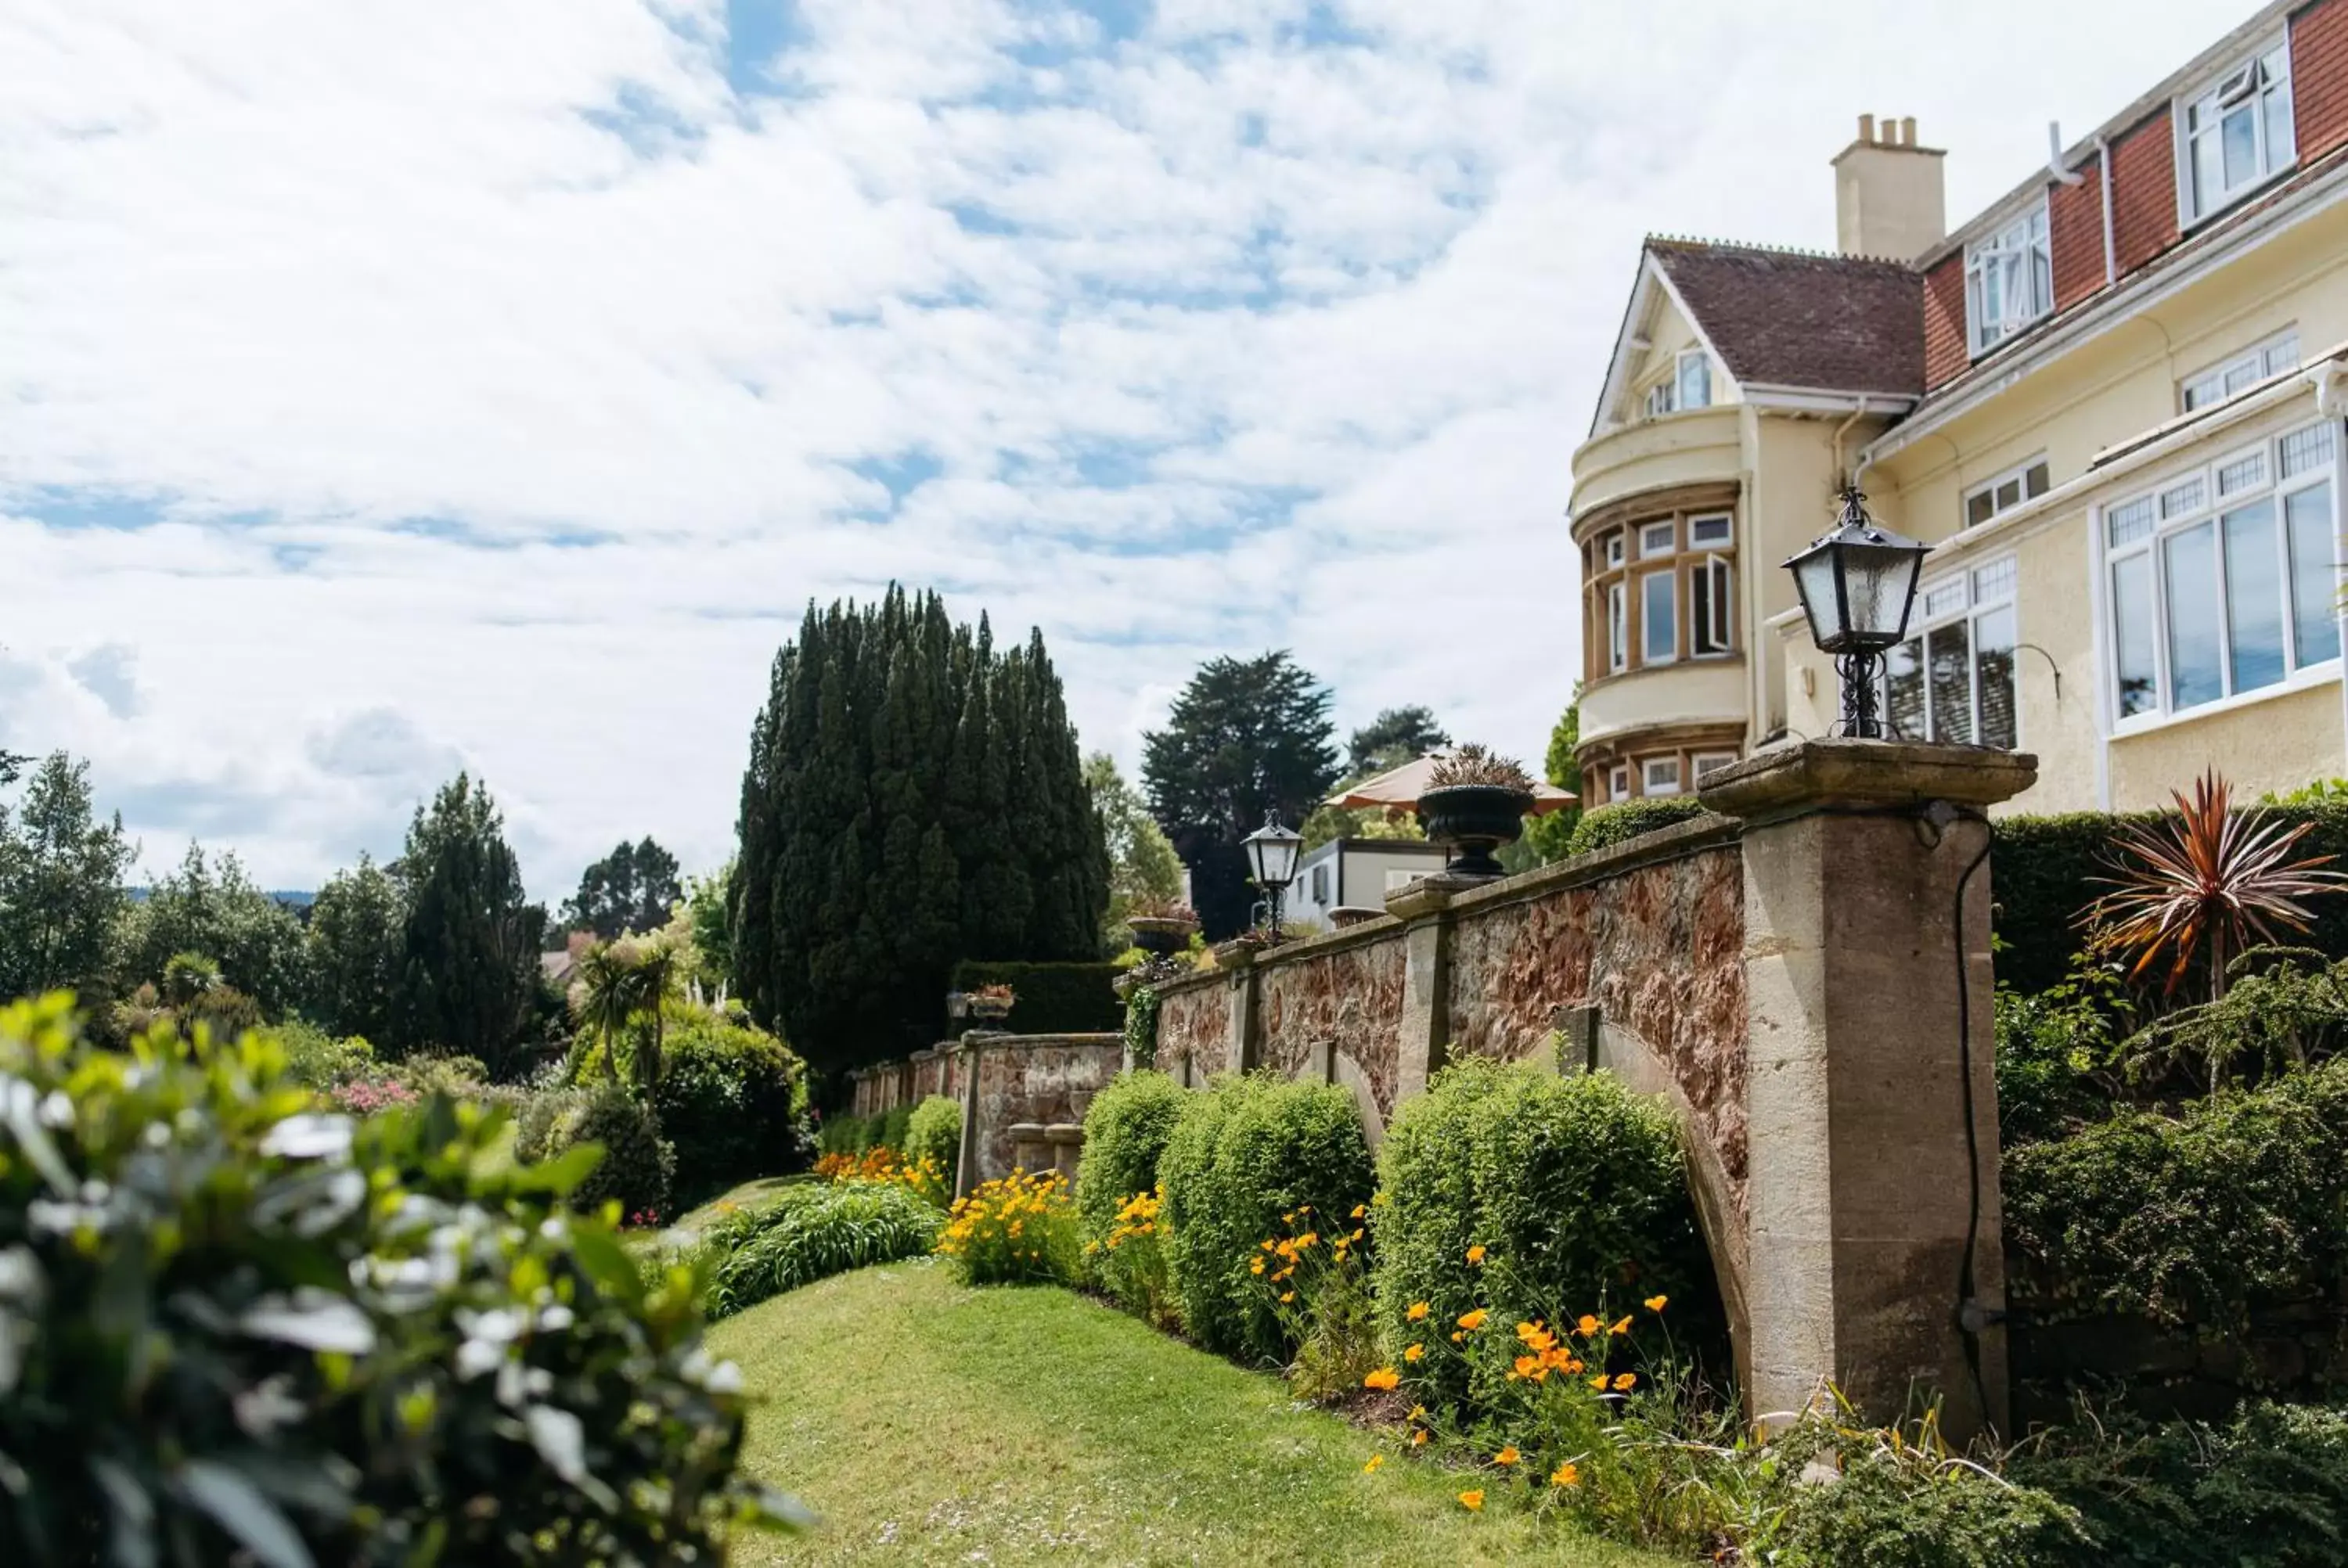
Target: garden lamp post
1271	856
1857	584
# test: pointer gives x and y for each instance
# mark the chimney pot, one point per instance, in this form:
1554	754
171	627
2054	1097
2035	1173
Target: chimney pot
1907	130
1867	127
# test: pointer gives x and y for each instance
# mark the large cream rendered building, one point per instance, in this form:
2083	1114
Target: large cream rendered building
2111	402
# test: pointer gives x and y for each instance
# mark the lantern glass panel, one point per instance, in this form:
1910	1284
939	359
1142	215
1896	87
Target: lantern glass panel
1814	574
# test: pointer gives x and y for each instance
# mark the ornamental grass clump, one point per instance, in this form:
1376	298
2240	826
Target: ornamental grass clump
810	1233
237	1328
1019	1229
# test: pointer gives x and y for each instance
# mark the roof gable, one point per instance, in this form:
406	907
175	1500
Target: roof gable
1798	319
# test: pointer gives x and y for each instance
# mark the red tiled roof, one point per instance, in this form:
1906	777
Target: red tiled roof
1798	318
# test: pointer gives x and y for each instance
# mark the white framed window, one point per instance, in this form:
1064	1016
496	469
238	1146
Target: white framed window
2009	279
2240	372
2223	580
1614	548
1618	782
1953	681
1659	399
1659	630
1711	533
1712	606
2009	489
1660	775
1656	538
1705	763
1618	628
2235	133
1692	379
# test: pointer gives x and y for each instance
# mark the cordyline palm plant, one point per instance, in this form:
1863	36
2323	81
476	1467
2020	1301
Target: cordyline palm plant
617	980
2204	884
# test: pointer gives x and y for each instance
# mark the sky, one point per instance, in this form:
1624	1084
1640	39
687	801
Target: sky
392	386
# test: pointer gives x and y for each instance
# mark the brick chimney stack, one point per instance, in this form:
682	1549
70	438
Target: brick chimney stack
1889	199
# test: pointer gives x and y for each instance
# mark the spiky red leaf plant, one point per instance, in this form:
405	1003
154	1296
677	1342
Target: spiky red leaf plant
2205	880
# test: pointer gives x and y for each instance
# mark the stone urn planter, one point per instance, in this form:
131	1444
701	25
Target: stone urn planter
1473	820
991	1007
1160	935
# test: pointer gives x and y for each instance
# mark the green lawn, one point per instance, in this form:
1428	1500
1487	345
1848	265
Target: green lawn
930	1423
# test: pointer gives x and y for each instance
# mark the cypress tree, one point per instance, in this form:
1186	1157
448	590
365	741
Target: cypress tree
914	798
469	941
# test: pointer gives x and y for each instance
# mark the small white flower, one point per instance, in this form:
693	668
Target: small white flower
475	1357
309	1137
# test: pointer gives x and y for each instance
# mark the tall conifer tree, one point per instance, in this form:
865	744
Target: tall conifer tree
914	798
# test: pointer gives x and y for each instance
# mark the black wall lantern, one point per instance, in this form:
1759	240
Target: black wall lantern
1271	851
1857	584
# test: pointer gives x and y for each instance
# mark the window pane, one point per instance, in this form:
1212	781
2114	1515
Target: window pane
2279	137
1656	602
2033	482
2306	449
1993	641
1944	597
1903	689
1695	381
2009	494
2132	634
2284	354
2254	595
2198	393
2181	500
2246	473
1978	509
1947	657
1993	581
2207	186
2239	132
1618	627
2315	582
2132	521
1708	530
1699	612
2190	568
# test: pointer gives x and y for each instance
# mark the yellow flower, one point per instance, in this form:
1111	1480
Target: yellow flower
1621	1326
1413	1353
1507	1455
1286	1296
1418	1310
1418	1438
1383	1378
1566	1474
1528	1365
1418	1413
1360	1209
1598	1382
1623	1383
1265	1245
1655	1303
1472	1501
1472	1320
1587	1325
1255	1266
1372	1467
1476	1254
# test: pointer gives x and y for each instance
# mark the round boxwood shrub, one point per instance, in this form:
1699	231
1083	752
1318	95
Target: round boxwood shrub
933	1132
1603	827
239	1329
638	1166
1125	1131
1241	1154
730	1099
1575	1188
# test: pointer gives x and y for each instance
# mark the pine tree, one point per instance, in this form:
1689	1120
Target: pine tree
914	798
469	948
60	882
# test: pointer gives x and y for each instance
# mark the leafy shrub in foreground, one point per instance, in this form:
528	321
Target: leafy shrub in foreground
1126	1129
1528	1195
239	1330
2193	1217
810	1233
1243	1153
933	1132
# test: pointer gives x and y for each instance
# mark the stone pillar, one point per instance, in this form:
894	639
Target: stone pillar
1067	1147
1424	907
1866	956
1245	1030
967	1160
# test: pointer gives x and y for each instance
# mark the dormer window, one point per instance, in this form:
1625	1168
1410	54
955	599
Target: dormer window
2235	134
2009	279
1688	386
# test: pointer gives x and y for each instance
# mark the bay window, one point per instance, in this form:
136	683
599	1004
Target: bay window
1953	681
2223	580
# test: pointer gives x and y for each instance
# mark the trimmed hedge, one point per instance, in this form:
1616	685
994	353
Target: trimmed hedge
1602	827
1052	998
809	1232
1241	1154
2193	1218
933	1132
1125	1131
1575	1187
2042	873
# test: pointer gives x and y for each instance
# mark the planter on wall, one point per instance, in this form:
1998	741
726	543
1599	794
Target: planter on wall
1161	934
1474	820
990	1008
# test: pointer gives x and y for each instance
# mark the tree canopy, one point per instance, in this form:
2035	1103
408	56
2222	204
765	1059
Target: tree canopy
356	943
61	891
210	905
1244	737
1142	865
469	939
1397	735
1547	835
913	799
630	889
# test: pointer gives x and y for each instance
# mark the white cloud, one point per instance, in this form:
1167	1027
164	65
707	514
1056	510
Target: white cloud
492	381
